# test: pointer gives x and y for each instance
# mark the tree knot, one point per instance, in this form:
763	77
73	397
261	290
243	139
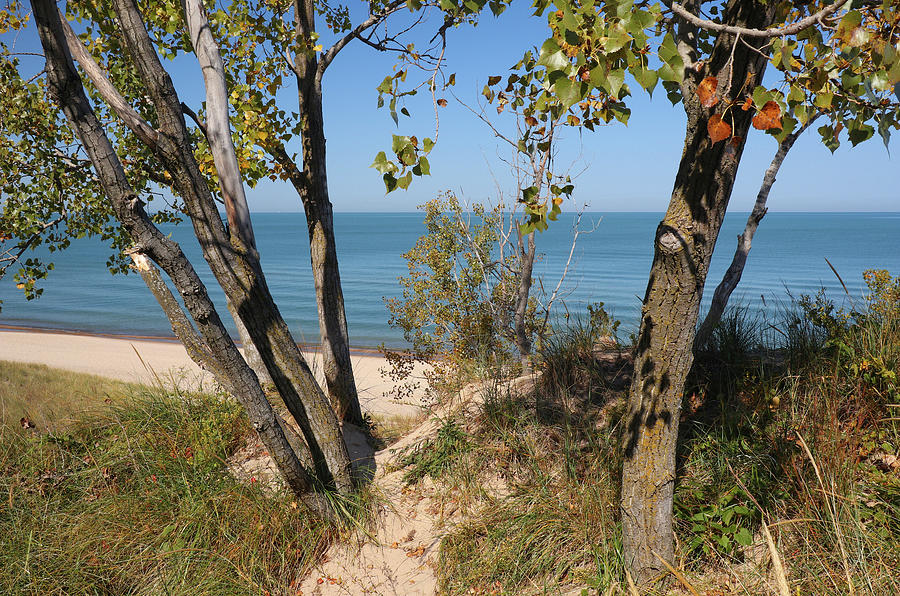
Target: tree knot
670	240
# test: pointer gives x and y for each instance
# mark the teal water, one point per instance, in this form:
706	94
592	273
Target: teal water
610	265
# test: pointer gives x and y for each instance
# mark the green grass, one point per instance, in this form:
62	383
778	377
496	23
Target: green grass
550	521
132	496
50	398
791	427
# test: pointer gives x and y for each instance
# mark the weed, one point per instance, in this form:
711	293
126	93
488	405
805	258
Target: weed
435	457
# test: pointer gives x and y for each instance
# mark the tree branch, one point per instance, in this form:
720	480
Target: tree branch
107	90
218	127
793	29
373	20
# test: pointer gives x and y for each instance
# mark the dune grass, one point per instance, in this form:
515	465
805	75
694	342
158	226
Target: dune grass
51	398
131	496
790	428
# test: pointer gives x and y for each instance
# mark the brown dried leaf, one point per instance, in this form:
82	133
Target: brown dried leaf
718	129
706	92
768	117
747	104
442	102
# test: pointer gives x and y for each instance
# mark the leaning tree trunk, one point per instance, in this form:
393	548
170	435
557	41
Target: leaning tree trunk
526	252
230	254
312	186
66	88
732	276
683	248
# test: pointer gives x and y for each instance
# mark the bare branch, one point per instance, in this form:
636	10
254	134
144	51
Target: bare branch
792	29
356	33
218	129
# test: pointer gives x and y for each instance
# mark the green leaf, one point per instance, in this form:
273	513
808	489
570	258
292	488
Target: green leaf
615	78
568	92
860	132
761	96
390	182
646	78
552	58
743	537
404	181
823	100
617	39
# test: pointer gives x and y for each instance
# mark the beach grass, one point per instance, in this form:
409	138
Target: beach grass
123	489
787	470
51	398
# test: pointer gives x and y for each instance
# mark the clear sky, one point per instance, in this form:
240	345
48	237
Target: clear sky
621	168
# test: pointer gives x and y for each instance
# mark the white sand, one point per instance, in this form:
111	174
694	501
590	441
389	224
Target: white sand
152	361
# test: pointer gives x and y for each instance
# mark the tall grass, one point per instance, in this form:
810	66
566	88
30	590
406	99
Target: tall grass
790	432
134	498
799	430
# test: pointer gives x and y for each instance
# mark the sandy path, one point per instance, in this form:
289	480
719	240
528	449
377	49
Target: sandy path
146	361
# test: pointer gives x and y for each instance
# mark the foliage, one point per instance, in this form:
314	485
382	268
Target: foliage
579	76
50	195
545	516
568	353
458	300
862	340
134	497
753	412
435	457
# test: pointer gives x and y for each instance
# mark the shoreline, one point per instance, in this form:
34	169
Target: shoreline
161	360
305	347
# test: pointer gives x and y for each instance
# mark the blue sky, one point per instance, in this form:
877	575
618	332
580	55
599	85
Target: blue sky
621	168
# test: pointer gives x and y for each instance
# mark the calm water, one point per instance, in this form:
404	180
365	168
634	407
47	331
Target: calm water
610	265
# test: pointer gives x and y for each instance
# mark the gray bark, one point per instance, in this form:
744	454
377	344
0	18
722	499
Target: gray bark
66	88
683	248
218	126
235	266
312	186
526	250
732	276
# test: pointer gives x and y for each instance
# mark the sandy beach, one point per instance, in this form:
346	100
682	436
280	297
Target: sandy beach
152	361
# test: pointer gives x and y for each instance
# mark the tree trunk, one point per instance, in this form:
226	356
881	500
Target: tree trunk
231	256
66	88
732	277
312	186
683	248
526	267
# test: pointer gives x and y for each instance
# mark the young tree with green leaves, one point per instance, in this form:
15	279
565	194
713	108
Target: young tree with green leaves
831	56
732	276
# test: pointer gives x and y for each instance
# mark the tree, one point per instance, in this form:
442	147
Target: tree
732	276
265	43
230	252
537	187
129	128
715	68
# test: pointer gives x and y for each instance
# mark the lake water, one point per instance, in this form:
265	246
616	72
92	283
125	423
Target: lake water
610	265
